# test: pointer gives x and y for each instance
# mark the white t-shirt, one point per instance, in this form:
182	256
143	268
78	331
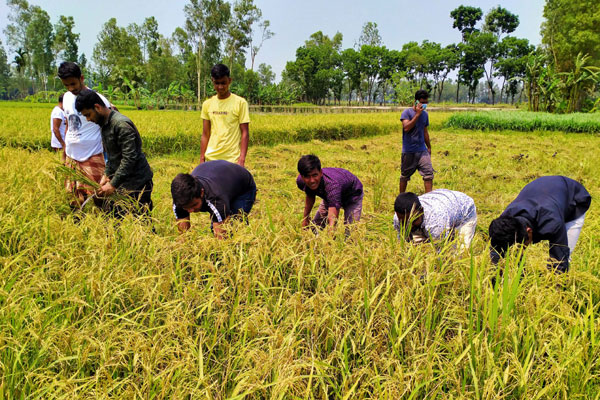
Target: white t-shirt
83	139
57	113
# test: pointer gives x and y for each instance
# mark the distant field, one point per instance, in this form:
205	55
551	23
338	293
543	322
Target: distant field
27	125
525	121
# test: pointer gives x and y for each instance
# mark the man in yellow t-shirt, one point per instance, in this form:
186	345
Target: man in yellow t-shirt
225	120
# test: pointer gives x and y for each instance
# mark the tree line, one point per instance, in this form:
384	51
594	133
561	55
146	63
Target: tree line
138	64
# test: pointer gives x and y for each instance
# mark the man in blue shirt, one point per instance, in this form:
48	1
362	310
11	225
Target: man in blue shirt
549	208
416	148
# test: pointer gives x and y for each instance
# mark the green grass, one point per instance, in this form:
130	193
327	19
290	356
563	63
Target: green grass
525	121
27	126
106	310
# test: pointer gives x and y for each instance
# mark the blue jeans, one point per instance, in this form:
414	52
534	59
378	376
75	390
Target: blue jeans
244	202
241	205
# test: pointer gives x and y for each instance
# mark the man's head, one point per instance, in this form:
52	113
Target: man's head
221	80
309	167
408	208
187	193
506	231
91	106
60	101
422	96
71	76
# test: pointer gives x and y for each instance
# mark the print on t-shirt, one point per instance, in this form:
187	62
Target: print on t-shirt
74	123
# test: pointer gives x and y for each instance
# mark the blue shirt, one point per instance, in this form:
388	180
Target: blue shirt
547	203
413	141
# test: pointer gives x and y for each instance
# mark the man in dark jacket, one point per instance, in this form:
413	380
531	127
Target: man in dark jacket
127	170
549	208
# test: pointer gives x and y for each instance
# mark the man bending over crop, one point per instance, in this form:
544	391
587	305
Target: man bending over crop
225	117
416	148
549	208
337	187
83	142
127	169
221	188
435	216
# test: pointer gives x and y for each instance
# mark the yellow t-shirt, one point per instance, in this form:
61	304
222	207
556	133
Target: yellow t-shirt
225	117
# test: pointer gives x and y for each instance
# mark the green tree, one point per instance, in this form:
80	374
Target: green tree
4	73
118	57
351	70
315	65
464	19
239	31
266	74
65	40
265	34
204	24
40	38
369	35
500	21
512	64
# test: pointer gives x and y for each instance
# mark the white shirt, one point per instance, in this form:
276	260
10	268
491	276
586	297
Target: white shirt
57	113
443	211
83	139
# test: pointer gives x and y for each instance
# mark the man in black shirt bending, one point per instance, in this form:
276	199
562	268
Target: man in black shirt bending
221	188
549	208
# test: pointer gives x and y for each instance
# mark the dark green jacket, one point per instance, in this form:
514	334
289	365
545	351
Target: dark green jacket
127	167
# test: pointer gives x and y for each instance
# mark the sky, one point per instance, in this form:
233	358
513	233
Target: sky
399	21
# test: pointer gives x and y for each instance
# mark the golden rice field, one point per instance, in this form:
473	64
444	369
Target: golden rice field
102	309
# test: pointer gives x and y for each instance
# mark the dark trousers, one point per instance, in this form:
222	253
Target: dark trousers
136	202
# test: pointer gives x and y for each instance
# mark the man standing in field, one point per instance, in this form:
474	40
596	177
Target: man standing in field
337	187
416	147
221	188
83	142
225	116
127	169
435	215
549	208
57	127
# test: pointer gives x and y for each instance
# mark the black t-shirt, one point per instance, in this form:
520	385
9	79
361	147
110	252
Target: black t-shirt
223	182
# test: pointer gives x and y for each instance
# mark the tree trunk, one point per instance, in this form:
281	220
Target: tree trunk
457	89
199	75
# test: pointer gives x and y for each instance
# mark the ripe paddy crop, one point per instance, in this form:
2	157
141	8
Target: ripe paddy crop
103	309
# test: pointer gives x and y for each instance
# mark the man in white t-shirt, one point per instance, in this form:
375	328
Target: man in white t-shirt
57	127
83	140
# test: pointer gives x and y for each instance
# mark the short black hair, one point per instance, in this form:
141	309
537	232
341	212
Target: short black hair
308	163
407	202
86	100
421	94
69	69
184	189
219	71
60	98
506	231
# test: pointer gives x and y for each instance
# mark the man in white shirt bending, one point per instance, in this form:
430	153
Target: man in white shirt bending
435	216
83	140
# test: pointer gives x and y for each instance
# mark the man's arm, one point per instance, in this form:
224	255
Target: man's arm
244	143
427	143
409	124
183	224
559	250
205	139
218	230
309	202
332	215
